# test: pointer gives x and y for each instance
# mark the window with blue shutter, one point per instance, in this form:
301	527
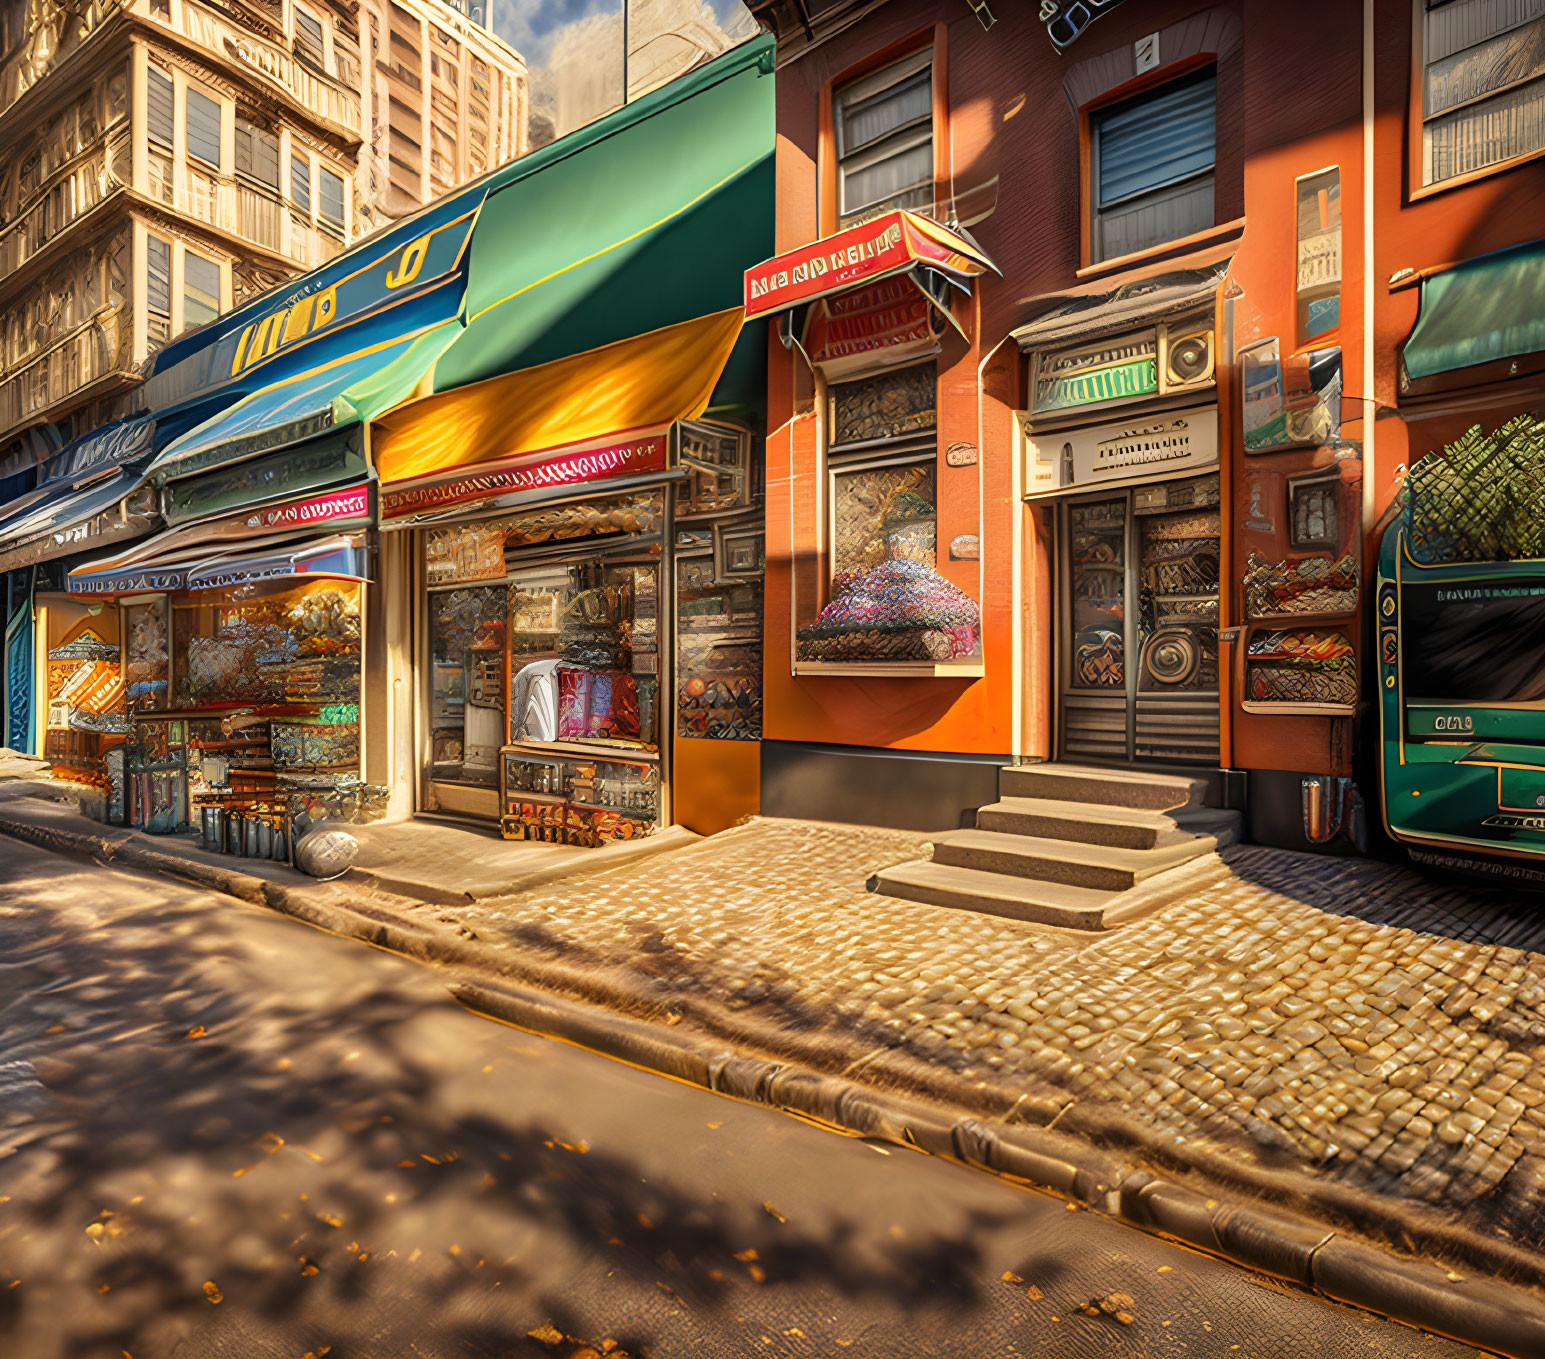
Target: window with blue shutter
1152	162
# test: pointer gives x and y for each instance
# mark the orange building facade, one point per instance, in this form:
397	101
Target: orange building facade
1154	444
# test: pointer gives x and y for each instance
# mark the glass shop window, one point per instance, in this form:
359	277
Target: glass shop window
885	599
147	666
719	640
884	131
561	644
1483	84
1151	165
269	643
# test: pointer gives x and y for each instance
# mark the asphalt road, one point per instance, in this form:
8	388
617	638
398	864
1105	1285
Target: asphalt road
223	1133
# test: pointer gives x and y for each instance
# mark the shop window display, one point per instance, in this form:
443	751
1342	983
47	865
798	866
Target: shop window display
562	651
888	601
718	653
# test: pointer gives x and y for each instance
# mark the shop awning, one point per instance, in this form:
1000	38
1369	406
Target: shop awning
83	461
643	383
115	506
336	394
187	545
1485	309
342	556
899	242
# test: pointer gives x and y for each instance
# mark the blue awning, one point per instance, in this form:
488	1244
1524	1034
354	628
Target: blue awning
337	394
83	461
342	557
113	506
1488	308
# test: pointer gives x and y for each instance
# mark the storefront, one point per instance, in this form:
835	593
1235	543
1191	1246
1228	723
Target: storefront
585	612
241	644
879	644
1121	471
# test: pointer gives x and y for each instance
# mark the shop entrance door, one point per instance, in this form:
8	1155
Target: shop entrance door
1138	626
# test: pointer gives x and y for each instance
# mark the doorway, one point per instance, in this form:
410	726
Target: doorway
1138	624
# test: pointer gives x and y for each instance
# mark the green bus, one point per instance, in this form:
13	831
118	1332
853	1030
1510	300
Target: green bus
1461	678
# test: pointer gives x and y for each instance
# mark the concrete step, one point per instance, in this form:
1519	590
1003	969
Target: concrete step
1224	826
1108	787
1088	823
1101	867
969	889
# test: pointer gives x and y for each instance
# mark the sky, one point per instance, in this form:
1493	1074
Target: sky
530	26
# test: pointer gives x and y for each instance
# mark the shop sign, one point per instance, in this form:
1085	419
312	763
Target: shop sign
351	503
464	552
869	320
862	254
1116	371
1141	449
288	472
576	464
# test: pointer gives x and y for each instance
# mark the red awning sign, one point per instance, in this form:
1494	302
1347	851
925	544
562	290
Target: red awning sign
598	460
862	254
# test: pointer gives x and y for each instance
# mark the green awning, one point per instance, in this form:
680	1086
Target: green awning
646	218
1485	309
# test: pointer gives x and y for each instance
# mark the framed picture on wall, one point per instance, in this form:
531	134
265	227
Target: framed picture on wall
738	554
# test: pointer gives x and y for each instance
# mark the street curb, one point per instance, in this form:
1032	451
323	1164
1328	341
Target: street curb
1495	1316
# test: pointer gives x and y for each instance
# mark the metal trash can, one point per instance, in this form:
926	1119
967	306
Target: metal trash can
213	818
236	833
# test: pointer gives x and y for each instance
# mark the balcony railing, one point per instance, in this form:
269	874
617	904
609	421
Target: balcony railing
97	349
74	192
325	98
237	208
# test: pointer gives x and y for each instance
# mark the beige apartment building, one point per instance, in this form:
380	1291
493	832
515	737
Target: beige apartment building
164	160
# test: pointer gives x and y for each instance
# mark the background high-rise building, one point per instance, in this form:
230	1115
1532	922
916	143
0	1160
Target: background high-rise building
163	160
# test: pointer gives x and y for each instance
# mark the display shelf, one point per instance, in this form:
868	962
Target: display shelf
605	754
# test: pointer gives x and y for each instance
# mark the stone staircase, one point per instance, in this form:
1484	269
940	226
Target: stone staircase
1068	845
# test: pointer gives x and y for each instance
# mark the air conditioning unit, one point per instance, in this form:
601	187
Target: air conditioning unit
1186	356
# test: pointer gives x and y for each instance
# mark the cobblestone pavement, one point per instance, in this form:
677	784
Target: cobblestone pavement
1243	1018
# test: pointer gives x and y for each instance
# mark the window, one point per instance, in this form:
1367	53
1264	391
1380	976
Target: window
158	277
203	119
330	196
300	183
159	120
1483	84
308	38
884	129
200	290
886	601
257	154
1151	166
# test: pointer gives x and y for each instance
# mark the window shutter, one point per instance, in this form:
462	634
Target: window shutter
203	128
330	197
1158	140
200	290
257	154
158	276
300	183
159	120
308	37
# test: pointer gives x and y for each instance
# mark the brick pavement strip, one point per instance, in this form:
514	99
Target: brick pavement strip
1360	1076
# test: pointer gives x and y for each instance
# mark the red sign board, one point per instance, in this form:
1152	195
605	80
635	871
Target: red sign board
601	459
866	320
861	254
353	502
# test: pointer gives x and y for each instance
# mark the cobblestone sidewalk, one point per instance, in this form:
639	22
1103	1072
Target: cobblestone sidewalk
1244	1019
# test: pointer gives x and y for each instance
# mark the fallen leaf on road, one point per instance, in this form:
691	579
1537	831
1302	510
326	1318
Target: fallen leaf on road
716	1125
547	1333
772	1212
197	1031
744	1255
1010	1277
1033	1293
308	1269
212	1291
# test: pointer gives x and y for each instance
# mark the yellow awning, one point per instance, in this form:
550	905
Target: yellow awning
652	379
